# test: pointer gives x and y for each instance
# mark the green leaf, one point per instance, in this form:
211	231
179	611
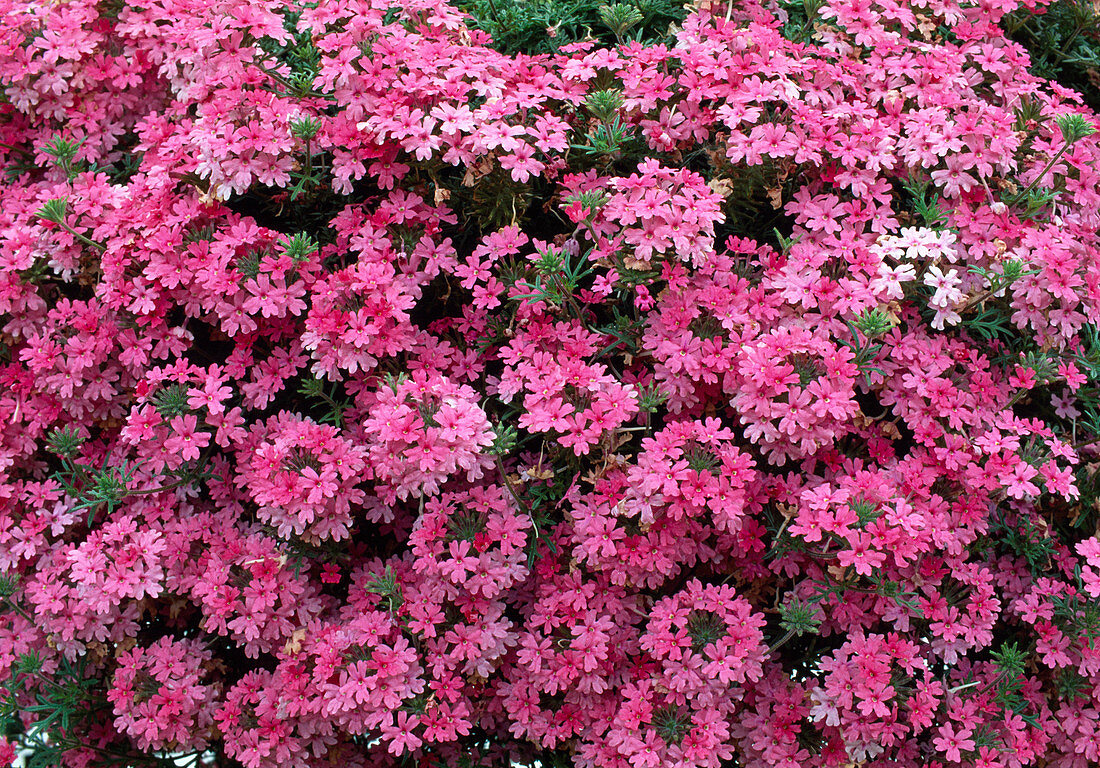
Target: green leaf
172	401
54	210
299	247
1075	127
798	617
65	442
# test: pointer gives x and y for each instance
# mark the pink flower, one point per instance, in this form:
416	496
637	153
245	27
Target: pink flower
159	696
400	735
185	439
952	743
860	556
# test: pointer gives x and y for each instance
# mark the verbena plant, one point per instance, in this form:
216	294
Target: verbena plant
1063	41
718	395
544	26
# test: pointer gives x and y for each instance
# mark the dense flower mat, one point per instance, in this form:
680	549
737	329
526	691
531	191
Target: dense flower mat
369	397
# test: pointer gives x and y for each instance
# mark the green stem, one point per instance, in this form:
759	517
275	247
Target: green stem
20	611
493	11
780	642
511	488
1085	443
162	489
14	148
83	238
1049	165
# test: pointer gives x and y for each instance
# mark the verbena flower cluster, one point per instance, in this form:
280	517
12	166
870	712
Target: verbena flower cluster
369	397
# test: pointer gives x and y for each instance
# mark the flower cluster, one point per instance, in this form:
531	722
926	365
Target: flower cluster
861	680
160	698
475	541
421	431
794	383
563	392
655	211
303	476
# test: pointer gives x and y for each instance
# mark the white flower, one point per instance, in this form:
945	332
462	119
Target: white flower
824	707
950	316
890	279
945	284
